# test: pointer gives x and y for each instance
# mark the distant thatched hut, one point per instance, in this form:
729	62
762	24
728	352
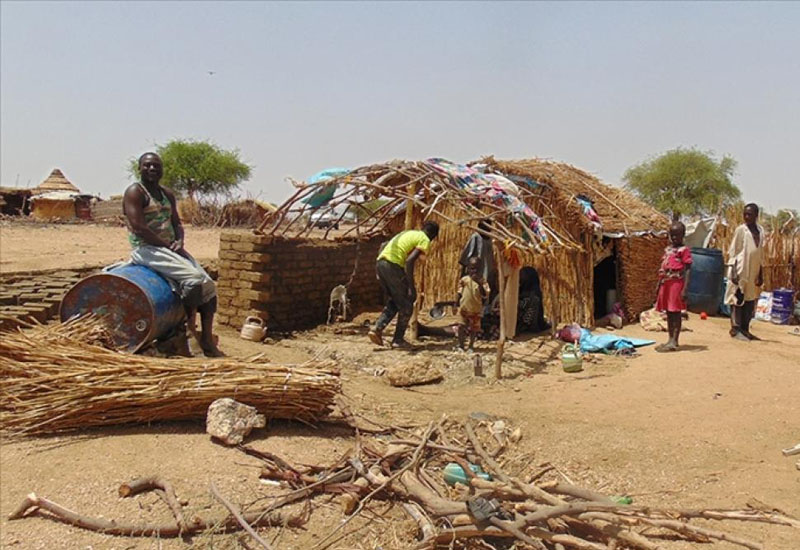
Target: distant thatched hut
56	198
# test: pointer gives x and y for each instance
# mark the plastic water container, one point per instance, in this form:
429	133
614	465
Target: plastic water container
137	303
781	306
453	473
705	286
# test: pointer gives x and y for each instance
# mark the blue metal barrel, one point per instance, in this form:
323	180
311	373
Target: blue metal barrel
705	287
782	299
137	303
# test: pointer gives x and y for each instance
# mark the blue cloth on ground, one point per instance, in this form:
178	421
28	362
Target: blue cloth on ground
609	342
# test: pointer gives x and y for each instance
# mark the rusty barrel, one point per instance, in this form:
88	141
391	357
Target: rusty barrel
137	303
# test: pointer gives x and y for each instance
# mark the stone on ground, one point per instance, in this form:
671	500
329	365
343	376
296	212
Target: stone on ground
415	373
231	421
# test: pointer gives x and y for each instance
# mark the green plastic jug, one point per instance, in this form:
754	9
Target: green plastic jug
453	473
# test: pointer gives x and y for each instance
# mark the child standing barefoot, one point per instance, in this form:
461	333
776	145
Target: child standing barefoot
673	283
472	290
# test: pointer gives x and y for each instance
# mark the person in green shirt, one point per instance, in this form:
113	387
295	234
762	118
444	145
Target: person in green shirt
395	269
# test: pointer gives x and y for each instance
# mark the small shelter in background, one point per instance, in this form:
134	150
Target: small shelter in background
56	198
14	201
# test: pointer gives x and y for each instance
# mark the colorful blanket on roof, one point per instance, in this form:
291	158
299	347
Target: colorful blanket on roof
495	188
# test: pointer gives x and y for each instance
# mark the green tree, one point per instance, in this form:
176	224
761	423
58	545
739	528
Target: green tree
685	181
198	167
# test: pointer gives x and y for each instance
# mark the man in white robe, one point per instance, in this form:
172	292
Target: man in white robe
745	274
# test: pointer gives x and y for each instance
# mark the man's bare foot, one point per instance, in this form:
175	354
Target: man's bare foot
210	349
751	336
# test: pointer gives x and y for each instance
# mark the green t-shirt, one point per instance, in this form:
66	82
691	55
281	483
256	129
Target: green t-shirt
402	244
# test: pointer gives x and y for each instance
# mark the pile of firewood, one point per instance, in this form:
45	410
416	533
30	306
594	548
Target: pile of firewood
540	514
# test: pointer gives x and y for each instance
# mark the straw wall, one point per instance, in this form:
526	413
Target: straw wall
638	260
781	256
566	275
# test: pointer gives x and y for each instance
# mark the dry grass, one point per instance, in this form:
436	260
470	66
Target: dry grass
61	377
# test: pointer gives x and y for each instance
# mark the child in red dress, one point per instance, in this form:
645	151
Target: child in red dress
673	282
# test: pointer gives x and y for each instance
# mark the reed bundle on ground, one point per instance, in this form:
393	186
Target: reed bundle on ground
61	377
539	512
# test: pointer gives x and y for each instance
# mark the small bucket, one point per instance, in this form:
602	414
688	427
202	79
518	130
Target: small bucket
253	329
571	359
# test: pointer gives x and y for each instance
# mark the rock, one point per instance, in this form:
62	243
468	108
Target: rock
231	421
413	374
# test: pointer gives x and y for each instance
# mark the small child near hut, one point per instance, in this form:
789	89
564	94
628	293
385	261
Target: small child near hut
673	282
472	291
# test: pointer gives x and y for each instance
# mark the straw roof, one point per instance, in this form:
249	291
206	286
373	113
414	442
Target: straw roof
619	210
56	181
435	187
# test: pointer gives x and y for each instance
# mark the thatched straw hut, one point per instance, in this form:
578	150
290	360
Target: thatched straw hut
536	212
621	252
56	181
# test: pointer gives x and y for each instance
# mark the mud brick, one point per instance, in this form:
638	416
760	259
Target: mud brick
225	283
231	255
226	292
228	273
256	295
223	301
257	239
259	257
230	237
242	301
36	312
256	277
249	266
8	299
29	297
250	247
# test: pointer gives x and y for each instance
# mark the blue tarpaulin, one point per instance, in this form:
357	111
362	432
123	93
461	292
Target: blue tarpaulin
326	193
609	342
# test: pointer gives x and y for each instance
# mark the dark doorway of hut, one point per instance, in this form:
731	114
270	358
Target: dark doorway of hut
605	286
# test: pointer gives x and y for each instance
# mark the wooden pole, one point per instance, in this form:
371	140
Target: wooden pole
501	342
409	224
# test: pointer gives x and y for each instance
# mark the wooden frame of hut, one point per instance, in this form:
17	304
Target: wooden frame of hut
567	248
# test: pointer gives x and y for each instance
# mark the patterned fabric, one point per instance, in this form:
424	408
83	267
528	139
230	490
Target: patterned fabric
402	244
157	216
674	262
494	188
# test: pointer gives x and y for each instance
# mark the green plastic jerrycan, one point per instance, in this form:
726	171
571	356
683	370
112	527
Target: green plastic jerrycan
453	473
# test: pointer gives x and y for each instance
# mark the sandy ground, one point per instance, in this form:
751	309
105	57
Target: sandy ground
33	247
700	428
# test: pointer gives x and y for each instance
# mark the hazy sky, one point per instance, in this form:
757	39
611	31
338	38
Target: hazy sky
299	87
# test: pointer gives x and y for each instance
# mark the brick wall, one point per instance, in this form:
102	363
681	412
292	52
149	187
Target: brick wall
287	282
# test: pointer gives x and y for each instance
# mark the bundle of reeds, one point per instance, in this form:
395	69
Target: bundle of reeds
60	377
